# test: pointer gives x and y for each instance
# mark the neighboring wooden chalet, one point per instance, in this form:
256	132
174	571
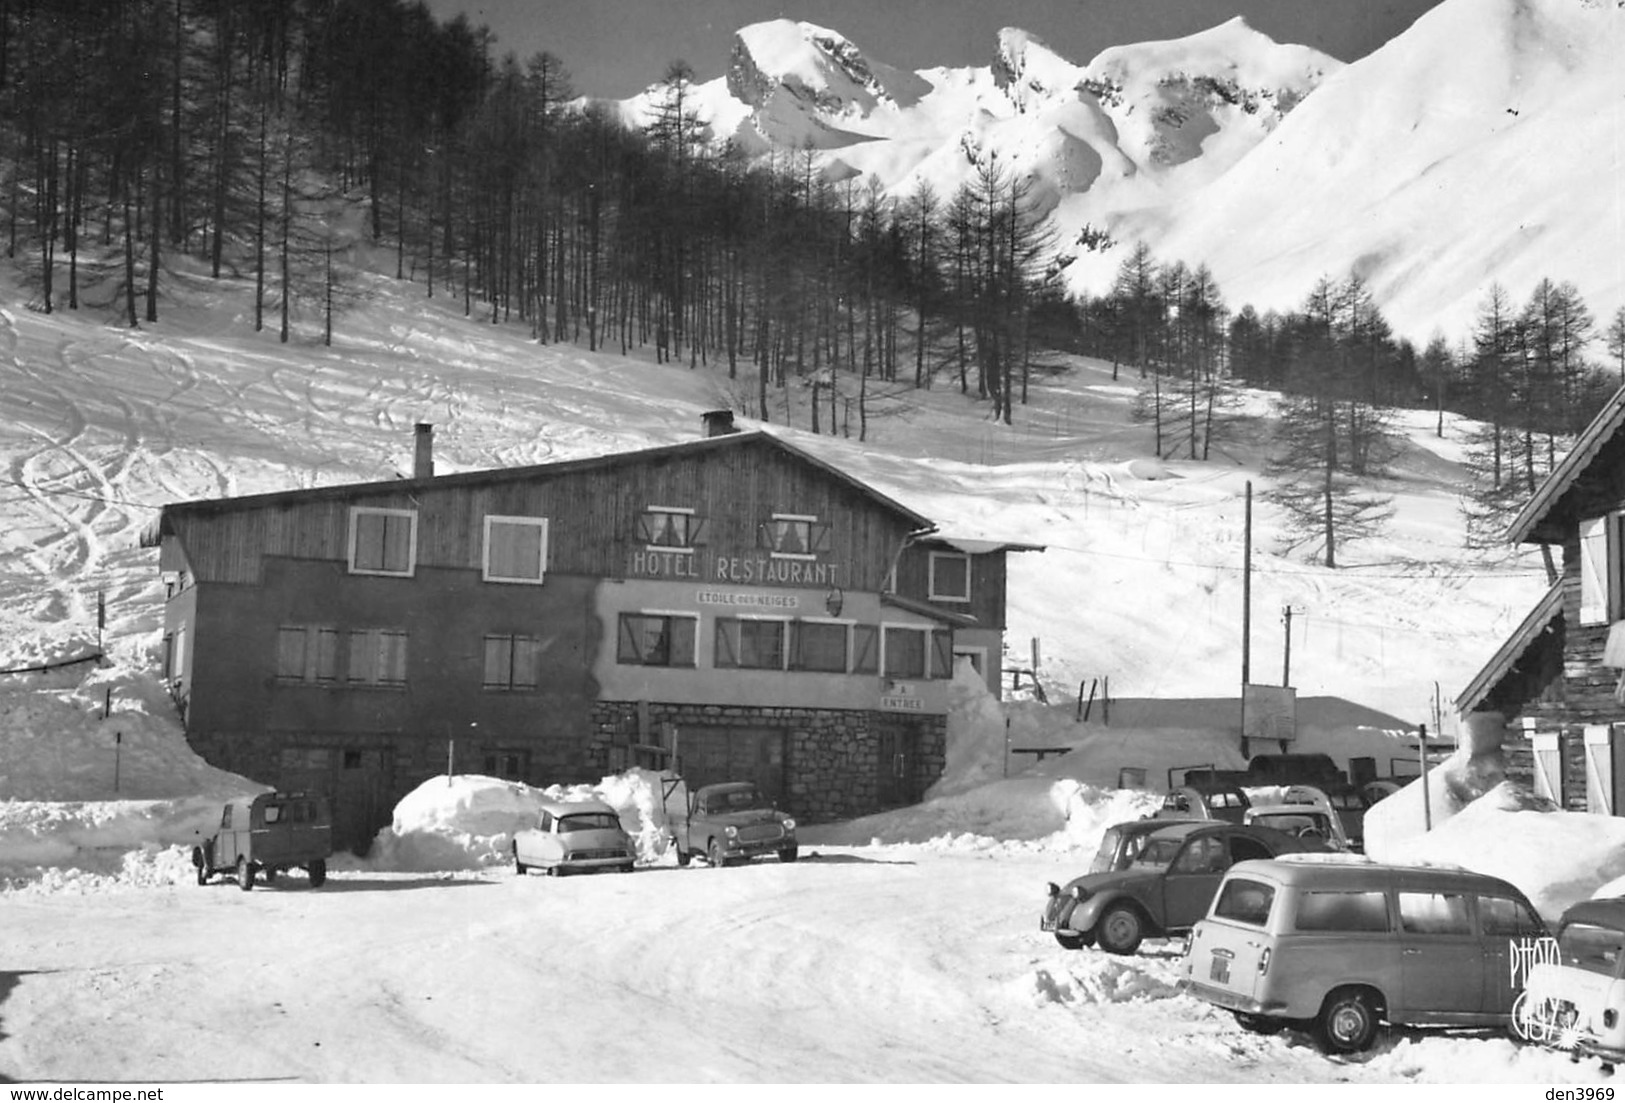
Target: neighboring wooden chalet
733	601
1561	675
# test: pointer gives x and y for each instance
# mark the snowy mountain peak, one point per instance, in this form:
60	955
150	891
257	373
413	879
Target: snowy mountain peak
816	67
1029	71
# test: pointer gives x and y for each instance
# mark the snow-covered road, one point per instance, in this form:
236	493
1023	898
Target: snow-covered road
857	965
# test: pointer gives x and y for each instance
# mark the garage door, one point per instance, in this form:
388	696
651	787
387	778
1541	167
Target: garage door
709	755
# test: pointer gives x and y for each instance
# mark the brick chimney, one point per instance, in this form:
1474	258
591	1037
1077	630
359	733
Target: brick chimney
718	423
423	460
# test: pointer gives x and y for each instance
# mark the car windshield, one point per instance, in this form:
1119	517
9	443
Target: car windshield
1105	860
1159	851
1296	823
734	800
588	821
1592	948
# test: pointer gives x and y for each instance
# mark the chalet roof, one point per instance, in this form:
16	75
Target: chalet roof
975	547
520	474
925	609
1547	611
1557	485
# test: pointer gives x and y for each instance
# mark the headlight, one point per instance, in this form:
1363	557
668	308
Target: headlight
1054	889
1079	892
731	831
789	824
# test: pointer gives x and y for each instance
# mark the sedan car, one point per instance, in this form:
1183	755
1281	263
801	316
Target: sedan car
574	836
1164	891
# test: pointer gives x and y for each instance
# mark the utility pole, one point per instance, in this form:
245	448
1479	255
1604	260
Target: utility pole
1246	611
1286	660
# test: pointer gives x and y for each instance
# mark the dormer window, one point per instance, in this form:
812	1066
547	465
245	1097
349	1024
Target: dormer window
383	541
671	528
794	536
950	576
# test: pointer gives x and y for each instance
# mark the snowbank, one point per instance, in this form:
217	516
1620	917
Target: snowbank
468	821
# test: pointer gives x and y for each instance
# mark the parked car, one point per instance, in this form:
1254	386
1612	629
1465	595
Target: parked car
1167	888
1573	997
727	822
574	836
1341	947
268	834
1122	842
1204	802
1305	819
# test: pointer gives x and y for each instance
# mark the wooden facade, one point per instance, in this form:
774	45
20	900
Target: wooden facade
1553	679
677	592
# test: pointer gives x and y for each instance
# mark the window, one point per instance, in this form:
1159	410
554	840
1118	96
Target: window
750	644
910	652
671	527
657	639
383	541
1244	901
865	649
1434	913
1592	948
1342	911
950	576
1602	569
512	662
1501	915
511	764
819	645
377	657
515	549
794	536
307	654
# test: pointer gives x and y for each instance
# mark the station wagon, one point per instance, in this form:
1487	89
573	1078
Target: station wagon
267	834
1342	946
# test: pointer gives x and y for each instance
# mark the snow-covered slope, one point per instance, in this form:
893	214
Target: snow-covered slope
1481	144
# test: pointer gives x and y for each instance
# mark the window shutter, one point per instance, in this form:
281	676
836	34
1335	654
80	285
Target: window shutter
764	535
1594	570
942	653
526	665
820	538
497	658
697	530
681	631
865	660
290	653
362	657
727	642
646	528
630	651
327	654
397	542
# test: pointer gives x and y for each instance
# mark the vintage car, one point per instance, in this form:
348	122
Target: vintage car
1122	842
1204	801
1573	996
1341	947
1166	889
267	834
726	822
574	836
1303	819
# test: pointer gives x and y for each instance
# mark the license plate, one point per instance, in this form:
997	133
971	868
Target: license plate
1219	972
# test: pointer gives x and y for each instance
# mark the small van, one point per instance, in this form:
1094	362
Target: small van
1341	947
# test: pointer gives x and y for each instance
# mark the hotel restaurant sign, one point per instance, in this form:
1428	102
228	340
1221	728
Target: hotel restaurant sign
741	570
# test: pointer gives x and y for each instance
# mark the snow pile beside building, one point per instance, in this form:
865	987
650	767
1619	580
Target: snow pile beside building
1556	858
1472	770
468	821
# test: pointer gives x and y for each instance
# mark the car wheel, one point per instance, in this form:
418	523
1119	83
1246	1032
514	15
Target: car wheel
318	873
1348	1022
1259	1024
713	854
1120	929
245	873
683	856
789	854
270	875
519	867
202	865
1072	940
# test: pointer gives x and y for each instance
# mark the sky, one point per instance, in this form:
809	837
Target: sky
616	48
